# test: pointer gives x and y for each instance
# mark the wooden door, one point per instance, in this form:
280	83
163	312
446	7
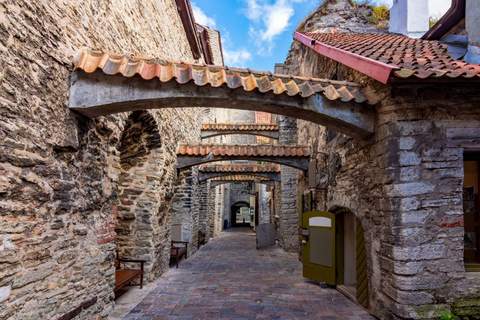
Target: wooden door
361	257
319	256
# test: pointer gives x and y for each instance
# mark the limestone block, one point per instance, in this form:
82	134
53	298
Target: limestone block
421	252
5	293
408	189
409	159
31	276
406	143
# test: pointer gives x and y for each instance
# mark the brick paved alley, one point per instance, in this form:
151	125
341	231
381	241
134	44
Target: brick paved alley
229	279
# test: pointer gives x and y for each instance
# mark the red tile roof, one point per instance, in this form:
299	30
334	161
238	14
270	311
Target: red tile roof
243	150
390	56
240	127
216	76
240	168
240	178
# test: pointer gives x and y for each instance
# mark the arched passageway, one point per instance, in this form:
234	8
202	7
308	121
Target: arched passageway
240	214
139	207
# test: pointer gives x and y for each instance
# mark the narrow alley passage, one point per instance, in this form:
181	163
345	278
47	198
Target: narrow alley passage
230	279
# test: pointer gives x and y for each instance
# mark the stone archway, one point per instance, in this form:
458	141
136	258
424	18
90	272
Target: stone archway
235	210
105	83
139	201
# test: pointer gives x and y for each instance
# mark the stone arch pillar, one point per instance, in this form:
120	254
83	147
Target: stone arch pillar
203	222
140	209
186	206
211	202
289	237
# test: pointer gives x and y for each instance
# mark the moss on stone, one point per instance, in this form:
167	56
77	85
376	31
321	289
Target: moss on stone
467	307
431	311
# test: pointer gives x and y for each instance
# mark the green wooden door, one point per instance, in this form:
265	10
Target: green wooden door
362	278
319	246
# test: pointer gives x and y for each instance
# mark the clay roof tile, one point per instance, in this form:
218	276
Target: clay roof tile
216	76
240	126
243	150
414	58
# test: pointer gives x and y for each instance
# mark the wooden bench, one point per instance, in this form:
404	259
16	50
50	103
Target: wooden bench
125	276
178	251
201	238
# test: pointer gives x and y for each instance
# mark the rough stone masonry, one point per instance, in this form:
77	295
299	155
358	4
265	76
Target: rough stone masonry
404	184
65	179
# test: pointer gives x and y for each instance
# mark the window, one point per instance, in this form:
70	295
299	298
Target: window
471	184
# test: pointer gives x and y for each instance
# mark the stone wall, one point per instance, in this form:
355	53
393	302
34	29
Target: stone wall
203	224
289	212
186	207
227	203
405	184
219	208
60	172
343	16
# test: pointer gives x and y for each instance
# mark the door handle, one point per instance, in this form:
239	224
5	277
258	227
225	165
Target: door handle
304	242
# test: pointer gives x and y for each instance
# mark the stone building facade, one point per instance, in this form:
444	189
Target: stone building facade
74	190
404	183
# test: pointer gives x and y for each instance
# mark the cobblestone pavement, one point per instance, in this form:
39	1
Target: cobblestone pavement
230	279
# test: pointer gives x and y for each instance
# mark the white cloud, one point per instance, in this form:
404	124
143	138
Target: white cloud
201	17
237	58
268	21
234	57
254	10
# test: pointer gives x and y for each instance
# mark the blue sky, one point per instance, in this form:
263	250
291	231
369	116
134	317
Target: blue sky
258	33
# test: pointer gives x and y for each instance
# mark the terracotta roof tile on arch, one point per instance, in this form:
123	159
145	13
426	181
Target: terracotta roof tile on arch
243	150
240	127
240	178
216	76
240	168
406	57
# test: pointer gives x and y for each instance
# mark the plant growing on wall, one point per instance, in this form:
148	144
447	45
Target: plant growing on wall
449	316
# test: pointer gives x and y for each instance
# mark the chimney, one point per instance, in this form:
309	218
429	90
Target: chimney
472	22
409	17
